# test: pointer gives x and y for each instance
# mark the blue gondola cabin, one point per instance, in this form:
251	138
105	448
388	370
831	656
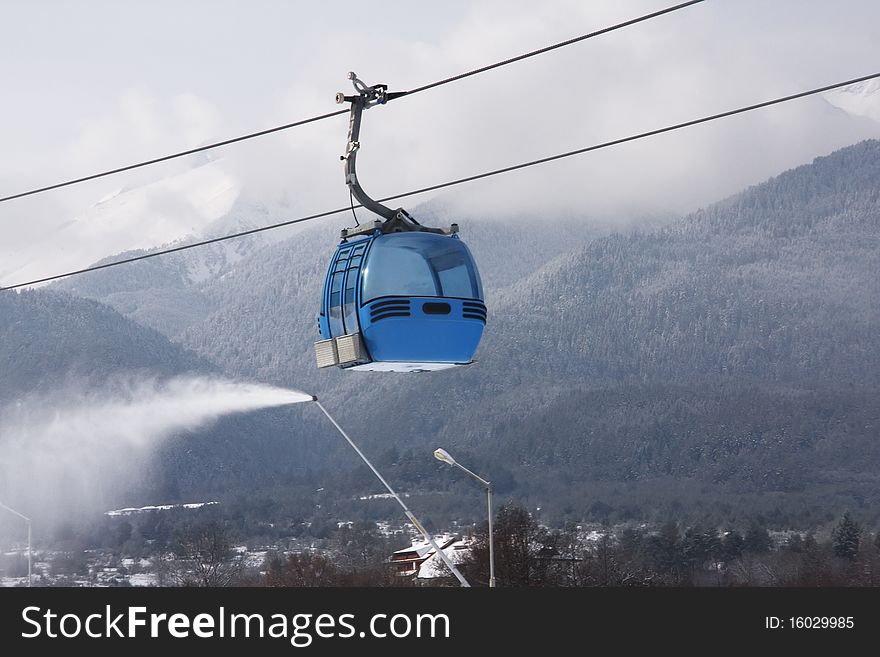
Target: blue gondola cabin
401	302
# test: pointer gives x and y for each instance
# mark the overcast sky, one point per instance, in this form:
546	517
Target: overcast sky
100	83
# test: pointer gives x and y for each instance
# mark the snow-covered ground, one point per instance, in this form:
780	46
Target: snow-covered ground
8	582
381	496
128	511
143	579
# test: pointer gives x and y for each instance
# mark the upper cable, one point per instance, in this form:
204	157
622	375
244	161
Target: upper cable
459	181
321	117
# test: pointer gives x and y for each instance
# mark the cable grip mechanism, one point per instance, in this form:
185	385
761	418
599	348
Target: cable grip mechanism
369	95
395	220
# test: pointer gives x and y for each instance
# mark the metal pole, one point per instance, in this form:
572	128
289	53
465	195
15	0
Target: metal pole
407	512
30	558
491	540
444	456
28	521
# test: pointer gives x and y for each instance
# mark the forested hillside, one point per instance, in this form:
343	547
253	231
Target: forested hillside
48	336
723	364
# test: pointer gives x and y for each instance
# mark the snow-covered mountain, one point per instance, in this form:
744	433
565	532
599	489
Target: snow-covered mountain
169	209
168	293
216	259
862	99
725	361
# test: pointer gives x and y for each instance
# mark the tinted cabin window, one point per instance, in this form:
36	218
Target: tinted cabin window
336	282
349	302
420	265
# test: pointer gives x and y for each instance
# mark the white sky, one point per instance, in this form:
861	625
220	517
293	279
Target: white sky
101	83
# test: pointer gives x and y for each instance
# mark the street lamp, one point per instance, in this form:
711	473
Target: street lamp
442	455
28	522
406	511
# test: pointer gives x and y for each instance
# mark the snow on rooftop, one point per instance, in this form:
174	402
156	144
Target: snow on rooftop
434	567
423	550
421	547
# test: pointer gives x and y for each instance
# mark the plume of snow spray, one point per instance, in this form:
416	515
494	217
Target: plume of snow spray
61	451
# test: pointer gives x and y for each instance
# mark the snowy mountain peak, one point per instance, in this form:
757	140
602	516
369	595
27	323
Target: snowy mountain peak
162	211
862	99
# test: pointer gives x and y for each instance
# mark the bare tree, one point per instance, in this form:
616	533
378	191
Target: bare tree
525	552
206	558
304	569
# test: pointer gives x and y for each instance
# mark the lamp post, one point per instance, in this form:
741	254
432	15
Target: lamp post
406	511
28	522
442	455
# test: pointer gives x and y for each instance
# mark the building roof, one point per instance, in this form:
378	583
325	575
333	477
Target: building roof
433	567
420	559
421	549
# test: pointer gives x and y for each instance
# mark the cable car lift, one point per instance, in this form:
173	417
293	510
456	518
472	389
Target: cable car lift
398	296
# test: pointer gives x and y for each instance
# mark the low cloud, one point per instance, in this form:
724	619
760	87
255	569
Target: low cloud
708	58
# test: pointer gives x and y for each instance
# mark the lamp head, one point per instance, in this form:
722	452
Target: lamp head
442	455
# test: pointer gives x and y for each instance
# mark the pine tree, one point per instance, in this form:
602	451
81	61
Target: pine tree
731	545
757	540
666	552
845	538
814	565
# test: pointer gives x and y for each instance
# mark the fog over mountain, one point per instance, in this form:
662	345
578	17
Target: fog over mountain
83	98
